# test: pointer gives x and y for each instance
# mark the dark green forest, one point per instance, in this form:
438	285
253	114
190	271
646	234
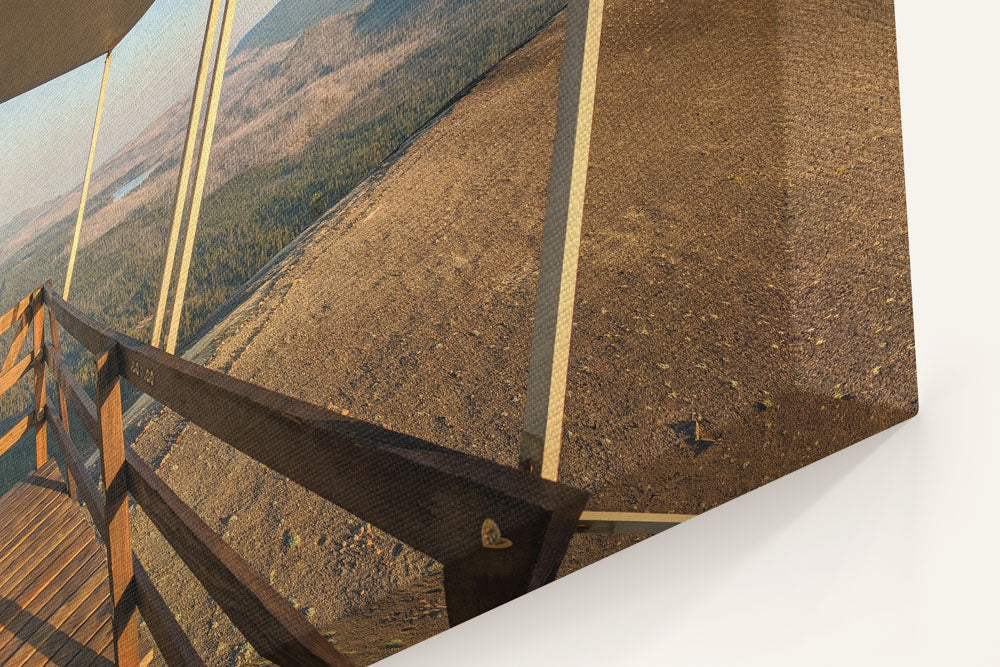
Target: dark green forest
248	219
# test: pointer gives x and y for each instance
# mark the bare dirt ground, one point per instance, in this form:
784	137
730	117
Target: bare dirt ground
733	143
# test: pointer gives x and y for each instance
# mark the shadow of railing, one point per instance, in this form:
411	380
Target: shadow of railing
22	627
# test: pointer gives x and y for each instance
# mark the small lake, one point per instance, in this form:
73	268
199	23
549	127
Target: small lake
132	185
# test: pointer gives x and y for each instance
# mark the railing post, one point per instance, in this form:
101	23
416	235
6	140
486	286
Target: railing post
115	476
63	412
37	356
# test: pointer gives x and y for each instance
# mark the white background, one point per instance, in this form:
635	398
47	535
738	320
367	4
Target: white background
887	553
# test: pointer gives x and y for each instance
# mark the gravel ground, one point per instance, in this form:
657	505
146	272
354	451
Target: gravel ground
742	306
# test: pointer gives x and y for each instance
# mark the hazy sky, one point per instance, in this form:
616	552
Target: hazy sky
45	133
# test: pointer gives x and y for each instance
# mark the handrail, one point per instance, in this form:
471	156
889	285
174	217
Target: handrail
15	373
17	344
77	398
446	503
281	633
15	432
171	640
8	319
348	461
89	492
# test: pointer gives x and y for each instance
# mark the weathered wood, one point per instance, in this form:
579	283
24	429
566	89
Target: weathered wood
60	607
27	517
8	319
54	336
77	398
269	622
172	641
15	373
167	633
94	624
17	343
18	506
115	476
33	540
88	490
510	567
541	437
38	358
430	497
29	557
14	434
639	523
66	561
500	532
76	630
54	592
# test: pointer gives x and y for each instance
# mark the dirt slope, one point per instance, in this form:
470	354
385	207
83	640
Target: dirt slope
732	142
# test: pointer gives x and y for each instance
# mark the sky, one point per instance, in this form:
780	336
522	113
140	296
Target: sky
45	133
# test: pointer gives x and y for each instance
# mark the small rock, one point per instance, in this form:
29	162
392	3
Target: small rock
291	540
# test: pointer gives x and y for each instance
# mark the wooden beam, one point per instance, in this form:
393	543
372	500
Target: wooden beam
541	436
15	373
184	177
10	438
63	412
642	523
171	640
86	179
267	620
201	174
38	359
17	343
8	319
123	599
433	498
84	408
88	490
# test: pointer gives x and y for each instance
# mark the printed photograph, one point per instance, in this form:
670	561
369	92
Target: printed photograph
332	324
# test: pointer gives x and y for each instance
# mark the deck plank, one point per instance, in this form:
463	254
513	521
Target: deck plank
39	587
54	594
93	615
34	613
74	591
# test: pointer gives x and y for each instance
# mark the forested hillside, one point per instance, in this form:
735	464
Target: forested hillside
289	18
252	215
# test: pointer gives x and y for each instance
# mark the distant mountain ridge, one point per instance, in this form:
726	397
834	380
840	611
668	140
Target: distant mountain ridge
290	18
301	122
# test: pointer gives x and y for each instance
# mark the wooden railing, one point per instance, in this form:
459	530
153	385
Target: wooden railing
499	532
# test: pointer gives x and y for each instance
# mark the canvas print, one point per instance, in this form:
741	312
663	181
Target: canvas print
331	324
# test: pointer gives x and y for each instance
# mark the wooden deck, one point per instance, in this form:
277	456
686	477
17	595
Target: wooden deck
54	595
64	601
